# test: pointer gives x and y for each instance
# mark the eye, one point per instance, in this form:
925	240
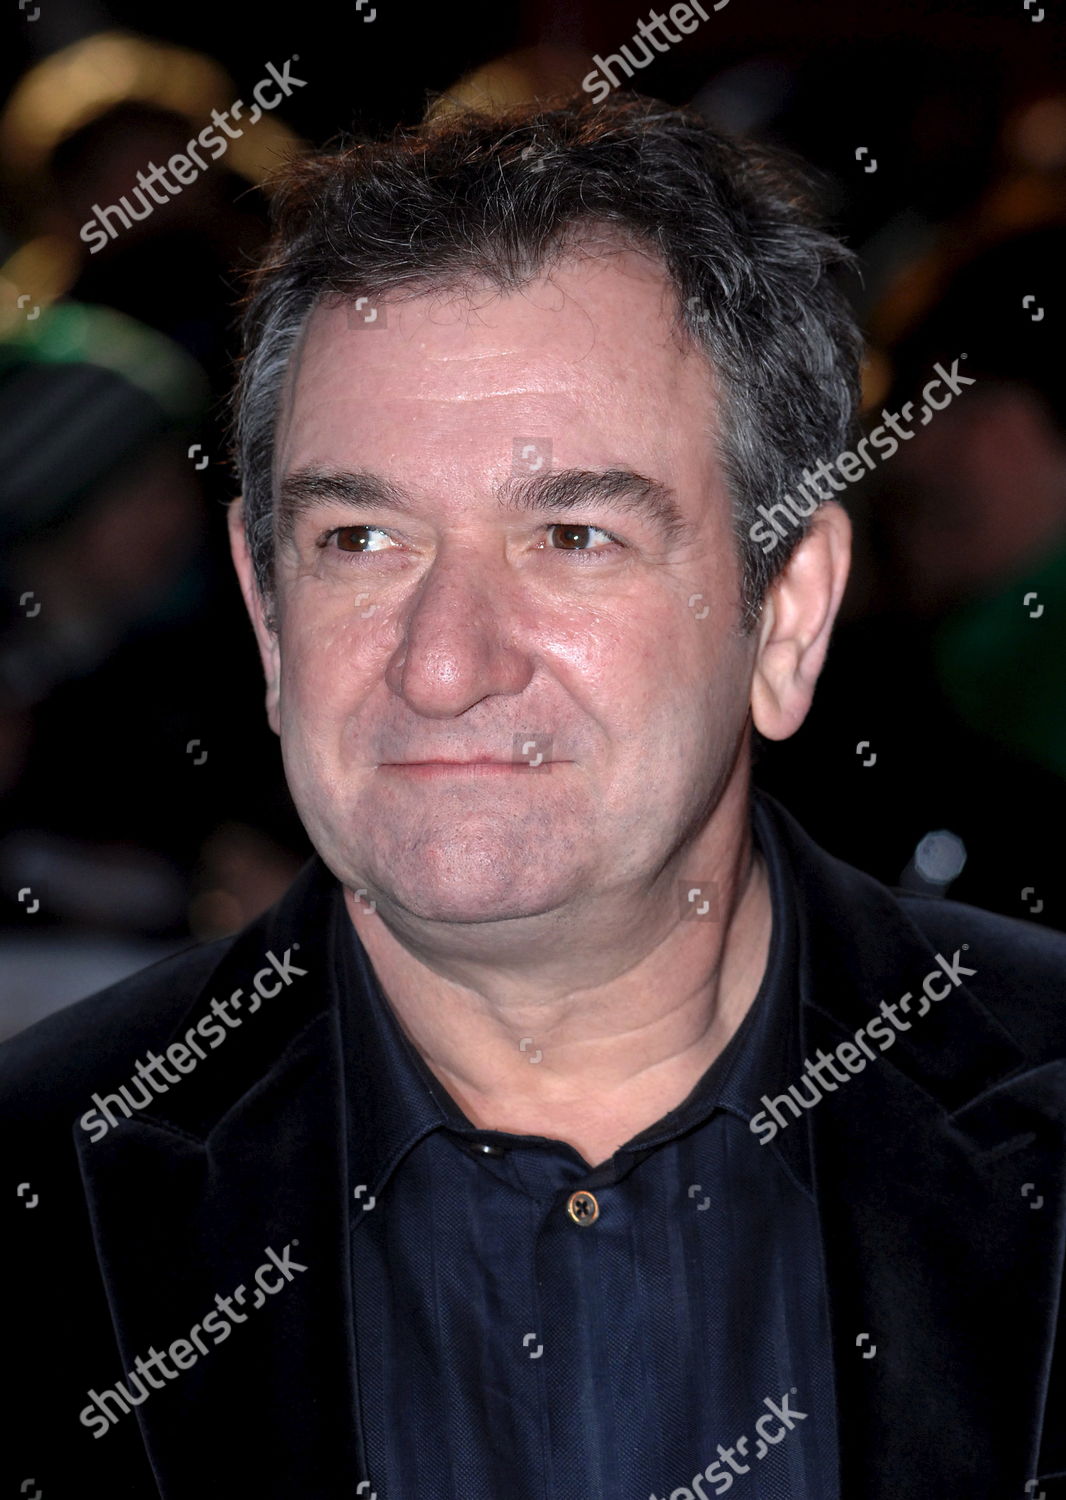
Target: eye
574	537
353	538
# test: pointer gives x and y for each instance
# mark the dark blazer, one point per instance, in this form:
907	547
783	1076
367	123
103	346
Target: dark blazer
939	1175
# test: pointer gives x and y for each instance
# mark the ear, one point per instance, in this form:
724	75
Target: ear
797	619
266	638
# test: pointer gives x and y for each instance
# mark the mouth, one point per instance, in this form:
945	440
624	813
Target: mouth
484	766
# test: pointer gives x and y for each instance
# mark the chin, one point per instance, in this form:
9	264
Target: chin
467	891
461	910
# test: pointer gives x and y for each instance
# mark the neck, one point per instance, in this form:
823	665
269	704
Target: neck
599	1040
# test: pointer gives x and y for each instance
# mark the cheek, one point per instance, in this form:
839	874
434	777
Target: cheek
712	680
601	648
326	665
669	685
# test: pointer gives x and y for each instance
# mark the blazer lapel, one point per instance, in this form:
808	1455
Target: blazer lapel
932	1250
240	1166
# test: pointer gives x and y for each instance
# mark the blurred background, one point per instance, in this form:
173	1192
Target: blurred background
142	800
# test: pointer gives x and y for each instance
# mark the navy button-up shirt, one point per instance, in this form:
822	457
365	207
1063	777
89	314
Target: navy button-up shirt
528	1328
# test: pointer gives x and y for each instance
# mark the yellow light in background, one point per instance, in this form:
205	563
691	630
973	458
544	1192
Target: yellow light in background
71	87
45	268
76	85
1036	135
876	379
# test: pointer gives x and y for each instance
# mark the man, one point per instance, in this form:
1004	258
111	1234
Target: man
574	1126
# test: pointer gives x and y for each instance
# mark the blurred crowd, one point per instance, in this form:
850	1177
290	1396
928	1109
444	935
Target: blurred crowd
142	801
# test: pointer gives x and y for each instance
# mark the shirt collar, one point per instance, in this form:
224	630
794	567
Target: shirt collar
395	1099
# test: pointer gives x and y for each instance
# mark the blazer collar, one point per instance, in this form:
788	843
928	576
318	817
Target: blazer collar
859	947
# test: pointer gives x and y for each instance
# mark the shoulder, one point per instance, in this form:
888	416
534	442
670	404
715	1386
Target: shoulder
49	1071
870	935
57	1060
1020	966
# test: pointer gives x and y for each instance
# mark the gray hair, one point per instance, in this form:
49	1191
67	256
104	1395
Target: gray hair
468	198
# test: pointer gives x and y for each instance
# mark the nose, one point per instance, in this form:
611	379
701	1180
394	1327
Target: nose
460	641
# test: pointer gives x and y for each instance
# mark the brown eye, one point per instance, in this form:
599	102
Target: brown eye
573	537
352	538
361	538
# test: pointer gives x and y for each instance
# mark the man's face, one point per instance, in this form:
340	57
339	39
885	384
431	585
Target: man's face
436	623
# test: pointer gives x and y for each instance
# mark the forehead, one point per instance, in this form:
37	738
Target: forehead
590	350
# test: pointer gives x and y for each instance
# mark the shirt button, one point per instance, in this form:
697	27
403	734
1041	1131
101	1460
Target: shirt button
583	1208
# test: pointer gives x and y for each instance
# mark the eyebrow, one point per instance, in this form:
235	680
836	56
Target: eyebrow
310	488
